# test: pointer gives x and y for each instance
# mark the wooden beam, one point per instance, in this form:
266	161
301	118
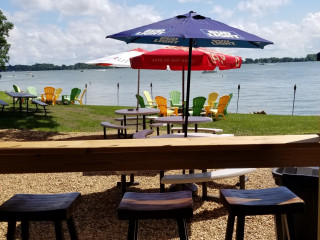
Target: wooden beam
160	154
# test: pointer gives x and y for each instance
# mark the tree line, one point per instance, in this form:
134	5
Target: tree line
82	66
309	57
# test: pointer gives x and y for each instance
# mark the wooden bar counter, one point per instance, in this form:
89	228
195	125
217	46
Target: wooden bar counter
160	154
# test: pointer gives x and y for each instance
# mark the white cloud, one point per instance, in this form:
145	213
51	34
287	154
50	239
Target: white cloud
290	40
260	7
79	40
222	13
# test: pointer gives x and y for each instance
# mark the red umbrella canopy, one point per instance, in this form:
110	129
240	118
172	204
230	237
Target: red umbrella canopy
177	59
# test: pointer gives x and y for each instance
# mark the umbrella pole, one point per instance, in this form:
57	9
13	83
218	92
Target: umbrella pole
138	88
188	88
238	96
294	97
183	91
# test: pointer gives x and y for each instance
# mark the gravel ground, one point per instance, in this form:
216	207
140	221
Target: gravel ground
96	217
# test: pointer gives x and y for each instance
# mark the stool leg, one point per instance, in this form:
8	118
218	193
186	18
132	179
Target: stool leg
11	230
279	223
25	230
104	133
240	227
58	230
72	229
230	225
133	230
183	233
290	226
161	185
123	184
131	179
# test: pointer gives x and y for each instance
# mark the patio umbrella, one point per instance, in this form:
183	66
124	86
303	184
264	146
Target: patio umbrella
121	60
191	30
118	60
177	59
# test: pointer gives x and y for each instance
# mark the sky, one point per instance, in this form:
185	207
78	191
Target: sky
74	31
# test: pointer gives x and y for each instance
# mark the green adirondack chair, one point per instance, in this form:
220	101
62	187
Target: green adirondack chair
175	97
67	99
141	101
197	106
33	91
225	111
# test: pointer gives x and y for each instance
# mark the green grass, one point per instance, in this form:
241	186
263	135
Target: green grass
76	118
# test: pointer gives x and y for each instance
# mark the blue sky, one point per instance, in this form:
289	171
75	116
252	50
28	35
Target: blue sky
72	31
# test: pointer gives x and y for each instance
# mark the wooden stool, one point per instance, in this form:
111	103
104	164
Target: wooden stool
275	201
168	205
40	207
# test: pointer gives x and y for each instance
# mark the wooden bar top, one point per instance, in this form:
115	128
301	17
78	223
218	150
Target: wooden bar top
160	154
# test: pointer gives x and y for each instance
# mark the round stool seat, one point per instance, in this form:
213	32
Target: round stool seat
168	205
279	200
40	207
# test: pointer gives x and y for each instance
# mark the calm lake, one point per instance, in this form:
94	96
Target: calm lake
267	87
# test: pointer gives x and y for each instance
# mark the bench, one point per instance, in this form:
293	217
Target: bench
113	126
157	125
205	177
38	102
142	134
3	104
210	130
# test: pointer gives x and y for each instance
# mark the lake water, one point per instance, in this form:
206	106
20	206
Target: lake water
267	87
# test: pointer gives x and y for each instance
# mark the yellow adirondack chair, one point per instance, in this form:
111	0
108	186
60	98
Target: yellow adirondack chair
80	99
223	101
212	98
56	95
162	105
149	99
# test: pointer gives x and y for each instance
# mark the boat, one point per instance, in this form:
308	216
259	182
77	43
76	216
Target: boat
209	71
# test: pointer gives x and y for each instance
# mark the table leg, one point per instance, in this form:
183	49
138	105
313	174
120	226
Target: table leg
13	104
20	104
144	122
168	128
318	209
27	105
124	120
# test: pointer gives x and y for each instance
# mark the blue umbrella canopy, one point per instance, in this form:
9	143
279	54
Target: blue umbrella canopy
178	30
191	30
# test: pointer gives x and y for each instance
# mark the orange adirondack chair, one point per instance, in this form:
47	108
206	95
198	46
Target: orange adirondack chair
162	105
223	101
48	95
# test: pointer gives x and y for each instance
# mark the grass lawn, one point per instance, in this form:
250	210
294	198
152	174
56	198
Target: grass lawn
76	118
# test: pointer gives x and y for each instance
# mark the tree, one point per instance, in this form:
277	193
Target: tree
5	27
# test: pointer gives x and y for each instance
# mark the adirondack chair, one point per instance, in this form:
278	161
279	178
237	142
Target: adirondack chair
48	96
175	97
141	101
67	99
223	101
226	108
33	91
56	95
162	105
80	99
198	103
17	89
212	98
149	99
